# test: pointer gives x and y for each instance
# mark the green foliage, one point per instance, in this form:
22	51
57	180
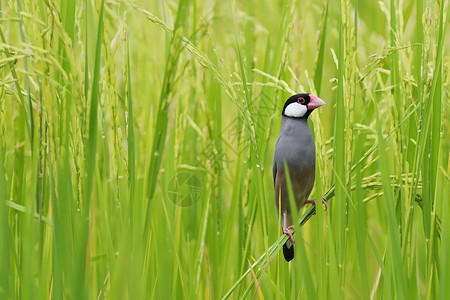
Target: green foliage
136	142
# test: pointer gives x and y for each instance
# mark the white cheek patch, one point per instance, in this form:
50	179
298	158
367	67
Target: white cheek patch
295	110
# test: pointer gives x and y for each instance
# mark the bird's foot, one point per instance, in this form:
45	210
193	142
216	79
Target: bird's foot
313	202
287	231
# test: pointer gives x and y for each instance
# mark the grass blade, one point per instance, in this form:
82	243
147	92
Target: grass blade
163	108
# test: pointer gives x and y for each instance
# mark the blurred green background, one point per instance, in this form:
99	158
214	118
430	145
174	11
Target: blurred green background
137	139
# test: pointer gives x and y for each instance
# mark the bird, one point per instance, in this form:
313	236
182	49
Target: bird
294	147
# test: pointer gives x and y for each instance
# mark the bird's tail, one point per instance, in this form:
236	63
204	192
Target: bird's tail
288	251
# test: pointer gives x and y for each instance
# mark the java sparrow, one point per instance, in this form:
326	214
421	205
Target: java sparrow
295	146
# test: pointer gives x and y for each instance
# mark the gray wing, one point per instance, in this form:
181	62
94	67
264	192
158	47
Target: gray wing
274	171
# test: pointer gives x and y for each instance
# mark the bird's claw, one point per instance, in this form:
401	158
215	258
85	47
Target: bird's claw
313	202
324	201
287	231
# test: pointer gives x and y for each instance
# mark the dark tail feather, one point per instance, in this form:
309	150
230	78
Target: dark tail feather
288	251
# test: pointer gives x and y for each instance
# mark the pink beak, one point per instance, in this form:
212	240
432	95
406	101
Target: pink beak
315	102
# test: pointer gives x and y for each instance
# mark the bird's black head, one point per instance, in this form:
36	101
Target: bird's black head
301	105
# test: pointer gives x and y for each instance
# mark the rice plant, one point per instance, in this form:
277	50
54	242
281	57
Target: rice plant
137	140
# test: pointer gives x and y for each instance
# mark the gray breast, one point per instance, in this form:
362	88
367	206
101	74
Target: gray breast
295	144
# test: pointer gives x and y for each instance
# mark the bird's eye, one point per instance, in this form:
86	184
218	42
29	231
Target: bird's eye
301	100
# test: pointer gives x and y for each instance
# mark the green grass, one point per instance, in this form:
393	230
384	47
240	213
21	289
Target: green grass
110	108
